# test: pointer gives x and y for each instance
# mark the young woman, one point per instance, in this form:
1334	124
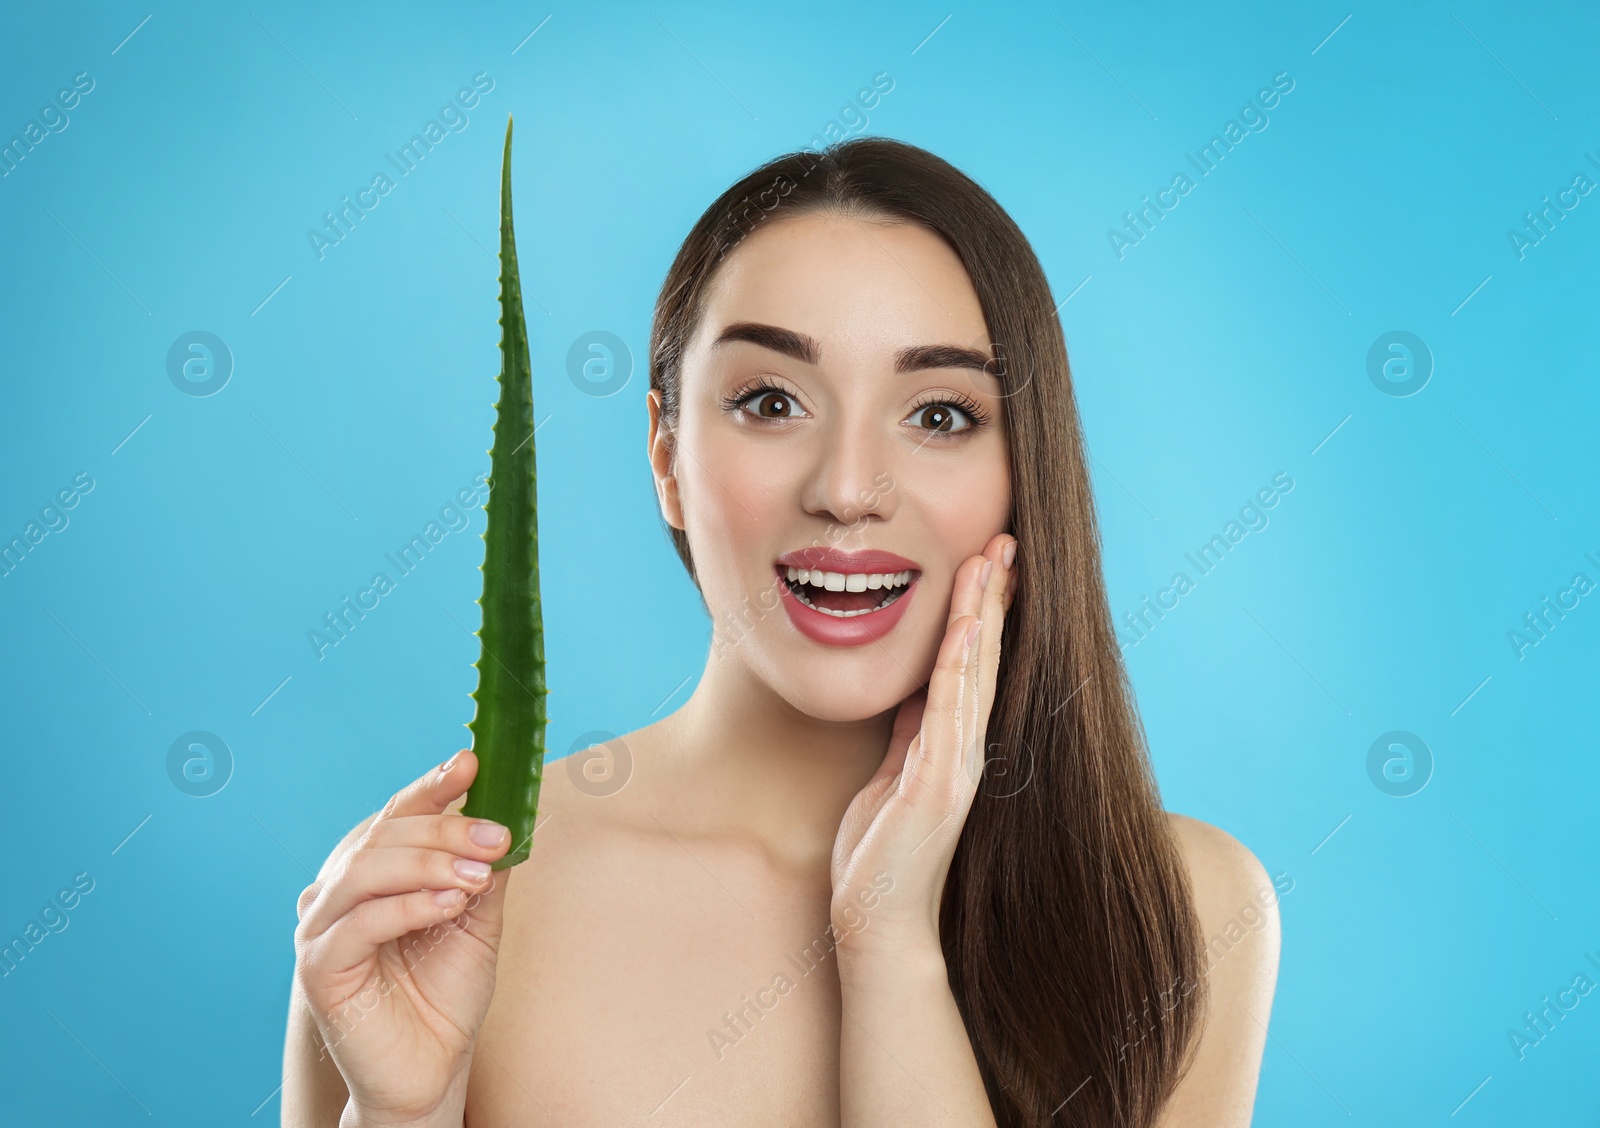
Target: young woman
899	859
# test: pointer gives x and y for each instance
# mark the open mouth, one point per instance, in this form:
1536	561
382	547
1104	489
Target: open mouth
846	595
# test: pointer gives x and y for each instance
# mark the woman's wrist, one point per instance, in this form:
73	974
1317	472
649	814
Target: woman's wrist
358	1118
876	967
450	1112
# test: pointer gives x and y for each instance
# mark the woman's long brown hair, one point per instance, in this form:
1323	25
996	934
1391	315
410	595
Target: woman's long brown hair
1067	924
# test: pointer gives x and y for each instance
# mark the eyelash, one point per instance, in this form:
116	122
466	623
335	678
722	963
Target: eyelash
978	417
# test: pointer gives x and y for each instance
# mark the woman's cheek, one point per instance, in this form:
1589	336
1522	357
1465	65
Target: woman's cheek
967	501
738	503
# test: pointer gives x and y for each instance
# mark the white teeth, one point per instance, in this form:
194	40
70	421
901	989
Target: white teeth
853	581
889	582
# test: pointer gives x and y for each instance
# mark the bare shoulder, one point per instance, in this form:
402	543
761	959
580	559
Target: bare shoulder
1222	870
1236	901
595	783
592	802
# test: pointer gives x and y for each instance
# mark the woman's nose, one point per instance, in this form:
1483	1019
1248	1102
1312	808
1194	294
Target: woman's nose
852	477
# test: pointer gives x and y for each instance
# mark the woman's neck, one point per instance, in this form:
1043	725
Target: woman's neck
738	760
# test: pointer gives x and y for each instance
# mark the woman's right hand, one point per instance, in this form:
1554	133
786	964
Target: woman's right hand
396	951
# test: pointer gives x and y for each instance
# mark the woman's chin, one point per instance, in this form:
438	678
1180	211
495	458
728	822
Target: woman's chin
845	700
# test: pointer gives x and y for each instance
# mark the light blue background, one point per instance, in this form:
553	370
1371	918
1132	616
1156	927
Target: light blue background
1225	347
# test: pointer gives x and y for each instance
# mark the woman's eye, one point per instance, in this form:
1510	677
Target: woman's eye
781	405
943	417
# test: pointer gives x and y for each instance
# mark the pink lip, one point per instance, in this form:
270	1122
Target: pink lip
858	629
832	560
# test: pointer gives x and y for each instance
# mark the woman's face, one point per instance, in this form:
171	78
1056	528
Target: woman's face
834	405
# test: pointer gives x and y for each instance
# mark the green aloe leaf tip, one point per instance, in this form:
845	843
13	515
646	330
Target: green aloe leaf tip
508	724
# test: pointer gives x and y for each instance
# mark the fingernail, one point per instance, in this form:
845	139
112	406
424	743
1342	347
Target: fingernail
1009	555
472	870
444	768
983	576
486	833
972	632
447	897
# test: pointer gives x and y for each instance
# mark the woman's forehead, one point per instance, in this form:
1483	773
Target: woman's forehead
842	281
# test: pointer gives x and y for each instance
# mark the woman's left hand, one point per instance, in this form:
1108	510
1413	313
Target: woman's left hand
899	833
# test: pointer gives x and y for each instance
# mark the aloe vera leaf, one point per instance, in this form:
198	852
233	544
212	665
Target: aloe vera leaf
508	723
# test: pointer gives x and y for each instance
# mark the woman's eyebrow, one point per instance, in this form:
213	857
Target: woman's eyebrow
918	357
786	341
807	350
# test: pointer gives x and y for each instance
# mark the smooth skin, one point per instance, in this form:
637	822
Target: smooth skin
738	924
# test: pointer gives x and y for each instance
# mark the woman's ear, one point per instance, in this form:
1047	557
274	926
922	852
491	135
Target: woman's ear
658	448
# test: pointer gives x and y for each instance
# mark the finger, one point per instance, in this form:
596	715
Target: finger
469	837
974	705
355	936
885	781
932	767
865	807
1009	557
432	793
384	871
478	840
984	673
907	720
966	597
894	762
